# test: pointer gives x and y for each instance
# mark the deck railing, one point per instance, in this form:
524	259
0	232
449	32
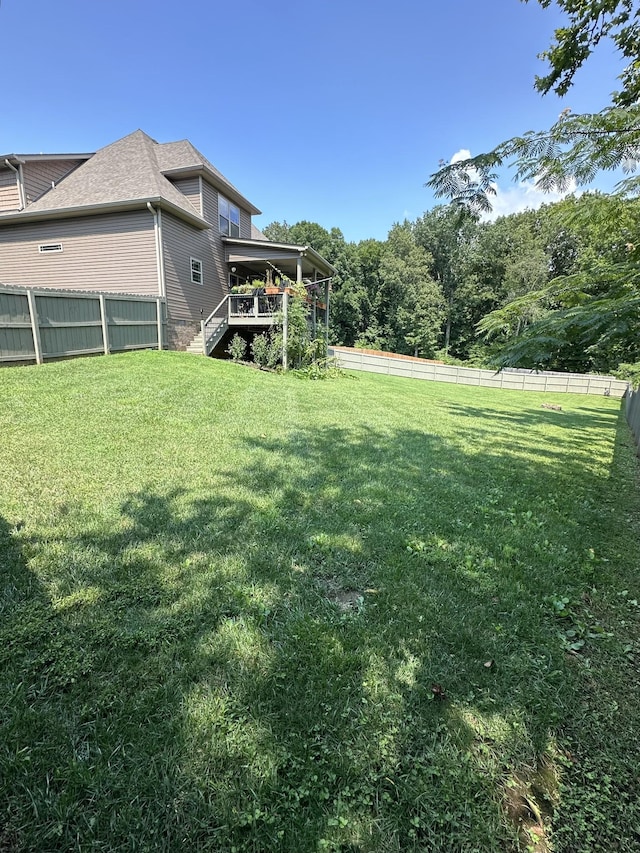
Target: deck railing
253	305
256	308
238	307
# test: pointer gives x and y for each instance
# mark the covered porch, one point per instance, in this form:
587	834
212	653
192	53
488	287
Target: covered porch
261	278
274	265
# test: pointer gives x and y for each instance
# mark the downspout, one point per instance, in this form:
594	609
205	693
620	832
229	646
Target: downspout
157	228
19	182
23	194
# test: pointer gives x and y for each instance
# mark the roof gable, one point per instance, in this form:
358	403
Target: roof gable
123	172
182	158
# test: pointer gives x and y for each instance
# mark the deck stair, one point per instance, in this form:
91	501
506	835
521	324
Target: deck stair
249	311
212	330
195	347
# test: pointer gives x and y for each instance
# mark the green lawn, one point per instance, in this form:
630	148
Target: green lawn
249	612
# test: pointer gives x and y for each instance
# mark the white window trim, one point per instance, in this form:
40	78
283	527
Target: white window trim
197	270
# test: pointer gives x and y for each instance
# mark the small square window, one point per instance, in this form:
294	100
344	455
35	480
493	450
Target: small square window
196	271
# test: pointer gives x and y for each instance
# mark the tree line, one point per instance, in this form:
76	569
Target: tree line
512	291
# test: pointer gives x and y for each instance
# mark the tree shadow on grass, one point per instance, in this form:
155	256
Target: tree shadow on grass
255	667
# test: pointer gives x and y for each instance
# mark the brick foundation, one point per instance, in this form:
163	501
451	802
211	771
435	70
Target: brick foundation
180	333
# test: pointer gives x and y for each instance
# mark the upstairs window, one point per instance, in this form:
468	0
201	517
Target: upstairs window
229	216
196	271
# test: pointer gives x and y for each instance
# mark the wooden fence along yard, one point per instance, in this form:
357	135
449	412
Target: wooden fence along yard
633	415
516	380
36	325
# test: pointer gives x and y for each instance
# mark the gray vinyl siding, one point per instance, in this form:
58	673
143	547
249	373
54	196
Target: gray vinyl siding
245	224
210	211
190	187
9	193
114	252
39	174
181	242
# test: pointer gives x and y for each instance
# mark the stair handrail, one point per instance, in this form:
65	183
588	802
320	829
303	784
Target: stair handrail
205	323
215	310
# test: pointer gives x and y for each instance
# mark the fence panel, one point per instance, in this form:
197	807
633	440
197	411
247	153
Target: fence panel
516	380
132	325
68	323
633	415
16	337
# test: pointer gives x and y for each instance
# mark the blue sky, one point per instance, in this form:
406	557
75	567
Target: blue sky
334	112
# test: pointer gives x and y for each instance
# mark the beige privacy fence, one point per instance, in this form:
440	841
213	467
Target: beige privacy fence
39	324
516	380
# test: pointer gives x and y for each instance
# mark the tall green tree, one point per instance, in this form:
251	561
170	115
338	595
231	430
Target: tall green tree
587	318
591	309
411	306
447	233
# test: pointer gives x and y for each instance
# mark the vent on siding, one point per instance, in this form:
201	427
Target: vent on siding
49	247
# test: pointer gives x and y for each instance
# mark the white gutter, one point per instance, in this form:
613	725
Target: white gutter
157	228
19	181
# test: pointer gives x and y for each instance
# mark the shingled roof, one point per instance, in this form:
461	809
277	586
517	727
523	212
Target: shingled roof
126	174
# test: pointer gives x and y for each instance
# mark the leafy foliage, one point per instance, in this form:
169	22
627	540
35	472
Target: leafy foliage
587	317
266	349
591	21
433	286
237	348
573	150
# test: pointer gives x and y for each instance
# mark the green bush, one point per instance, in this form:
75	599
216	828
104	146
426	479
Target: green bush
237	348
266	349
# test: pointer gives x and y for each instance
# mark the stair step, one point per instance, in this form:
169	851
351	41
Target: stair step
196	347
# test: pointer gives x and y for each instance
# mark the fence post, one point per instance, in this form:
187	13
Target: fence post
105	325
159	321
285	327
35	328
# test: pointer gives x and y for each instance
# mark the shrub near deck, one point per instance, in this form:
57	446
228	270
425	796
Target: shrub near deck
247	612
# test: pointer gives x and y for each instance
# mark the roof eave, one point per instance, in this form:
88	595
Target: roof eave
108	207
27	158
307	250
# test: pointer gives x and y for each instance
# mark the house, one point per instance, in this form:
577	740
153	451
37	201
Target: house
148	218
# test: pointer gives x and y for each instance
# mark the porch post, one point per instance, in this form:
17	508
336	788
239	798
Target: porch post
285	327
327	290
299	269
314	315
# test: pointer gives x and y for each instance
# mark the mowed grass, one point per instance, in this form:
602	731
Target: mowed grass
248	612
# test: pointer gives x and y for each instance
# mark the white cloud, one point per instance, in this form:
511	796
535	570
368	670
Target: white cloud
516	198
523	196
462	154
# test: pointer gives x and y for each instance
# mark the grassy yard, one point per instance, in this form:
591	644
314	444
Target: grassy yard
245	612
